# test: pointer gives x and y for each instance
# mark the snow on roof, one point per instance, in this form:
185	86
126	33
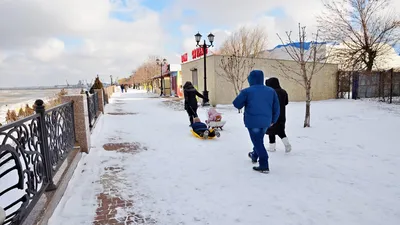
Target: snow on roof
307	45
297	45
396	48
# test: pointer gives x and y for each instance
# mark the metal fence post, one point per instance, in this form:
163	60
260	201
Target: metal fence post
73	119
44	145
380	86
350	88
96	103
2	215
88	104
355	86
391	86
338	84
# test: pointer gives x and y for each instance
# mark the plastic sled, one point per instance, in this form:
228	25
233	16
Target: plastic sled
198	136
216	124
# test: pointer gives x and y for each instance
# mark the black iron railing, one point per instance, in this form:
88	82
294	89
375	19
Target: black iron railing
93	107
60	128
31	151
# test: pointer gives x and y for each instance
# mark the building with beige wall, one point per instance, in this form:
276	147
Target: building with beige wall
324	84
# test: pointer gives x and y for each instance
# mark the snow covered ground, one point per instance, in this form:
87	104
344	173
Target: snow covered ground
345	169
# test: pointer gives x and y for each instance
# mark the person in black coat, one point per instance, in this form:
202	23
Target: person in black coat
190	93
279	127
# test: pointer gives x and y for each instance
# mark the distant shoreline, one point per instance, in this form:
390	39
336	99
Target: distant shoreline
38	88
47	87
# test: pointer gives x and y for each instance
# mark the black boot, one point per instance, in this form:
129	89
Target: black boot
252	158
260	169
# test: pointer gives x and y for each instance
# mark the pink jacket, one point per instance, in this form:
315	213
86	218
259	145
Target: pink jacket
212	114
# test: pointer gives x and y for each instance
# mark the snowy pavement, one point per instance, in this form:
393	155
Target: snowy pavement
345	169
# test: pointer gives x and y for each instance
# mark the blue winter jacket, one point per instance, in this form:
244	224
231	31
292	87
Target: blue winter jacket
261	102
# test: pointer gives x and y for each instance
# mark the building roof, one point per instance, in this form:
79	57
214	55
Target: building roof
307	45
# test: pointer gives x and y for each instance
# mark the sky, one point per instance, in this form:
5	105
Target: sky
48	42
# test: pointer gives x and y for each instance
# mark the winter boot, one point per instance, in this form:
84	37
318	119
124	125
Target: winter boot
205	134
217	133
263	165
261	169
288	146
251	156
272	147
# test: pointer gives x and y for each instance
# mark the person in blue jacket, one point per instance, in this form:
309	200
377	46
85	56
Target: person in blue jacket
261	110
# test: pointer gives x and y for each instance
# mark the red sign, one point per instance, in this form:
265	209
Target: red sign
198	52
184	58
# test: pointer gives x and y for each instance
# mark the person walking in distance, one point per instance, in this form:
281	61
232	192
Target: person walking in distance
261	110
190	93
279	127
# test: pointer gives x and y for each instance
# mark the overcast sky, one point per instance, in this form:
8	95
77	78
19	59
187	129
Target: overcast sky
46	42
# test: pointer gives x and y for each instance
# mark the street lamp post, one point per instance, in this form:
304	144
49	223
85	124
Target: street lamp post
111	80
205	46
161	64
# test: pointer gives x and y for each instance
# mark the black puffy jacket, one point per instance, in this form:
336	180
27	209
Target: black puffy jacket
273	82
190	94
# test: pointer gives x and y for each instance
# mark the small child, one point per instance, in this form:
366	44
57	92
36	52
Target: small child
202	130
213	115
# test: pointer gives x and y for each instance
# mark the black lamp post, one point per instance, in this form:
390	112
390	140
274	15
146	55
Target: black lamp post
111	80
161	64
204	46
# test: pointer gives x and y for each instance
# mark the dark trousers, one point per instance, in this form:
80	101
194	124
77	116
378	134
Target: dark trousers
259	151
192	112
276	129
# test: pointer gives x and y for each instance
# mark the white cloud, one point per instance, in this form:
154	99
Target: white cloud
232	14
229	14
51	49
47	42
38	49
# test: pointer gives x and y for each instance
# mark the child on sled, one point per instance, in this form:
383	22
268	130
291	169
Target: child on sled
214	119
213	116
202	130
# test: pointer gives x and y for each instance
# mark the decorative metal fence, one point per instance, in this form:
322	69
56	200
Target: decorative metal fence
31	151
93	107
382	85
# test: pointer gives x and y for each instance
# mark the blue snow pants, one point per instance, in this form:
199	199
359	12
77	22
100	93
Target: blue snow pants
259	151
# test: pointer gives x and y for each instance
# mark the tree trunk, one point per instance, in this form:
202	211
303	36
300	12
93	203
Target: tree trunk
308	105
370	65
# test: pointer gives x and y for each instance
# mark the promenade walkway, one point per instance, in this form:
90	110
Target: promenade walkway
144	167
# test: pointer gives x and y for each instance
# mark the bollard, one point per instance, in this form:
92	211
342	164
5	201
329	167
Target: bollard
2	215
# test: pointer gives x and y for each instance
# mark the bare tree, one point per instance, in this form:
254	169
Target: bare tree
310	58
246	42
366	29
236	70
239	51
146	71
